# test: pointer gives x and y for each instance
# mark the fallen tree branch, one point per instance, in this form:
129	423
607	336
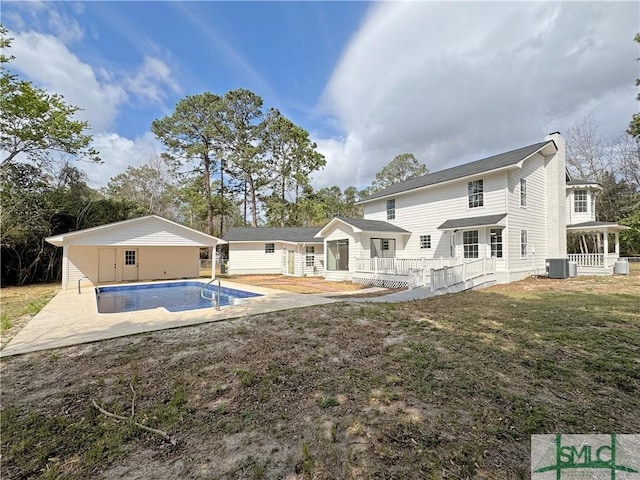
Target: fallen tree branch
122	418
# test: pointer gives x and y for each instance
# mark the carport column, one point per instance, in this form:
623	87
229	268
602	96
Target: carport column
617	235
65	266
606	243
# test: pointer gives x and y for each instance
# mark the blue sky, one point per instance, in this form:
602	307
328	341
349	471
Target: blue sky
450	82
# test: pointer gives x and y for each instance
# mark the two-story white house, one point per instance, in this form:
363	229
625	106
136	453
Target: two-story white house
505	214
514	209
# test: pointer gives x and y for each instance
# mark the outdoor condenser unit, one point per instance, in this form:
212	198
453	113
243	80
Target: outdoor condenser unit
558	267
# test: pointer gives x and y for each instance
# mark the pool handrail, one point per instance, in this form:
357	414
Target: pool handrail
204	288
80	281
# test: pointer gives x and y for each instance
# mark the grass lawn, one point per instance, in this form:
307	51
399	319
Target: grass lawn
449	387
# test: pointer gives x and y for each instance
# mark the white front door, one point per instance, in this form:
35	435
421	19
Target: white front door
130	266
107	265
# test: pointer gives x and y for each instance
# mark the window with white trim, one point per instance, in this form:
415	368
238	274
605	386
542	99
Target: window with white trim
391	209
383	247
425	241
523	192
470	243
310	258
475	189
496	242
523	243
580	201
129	257
269	248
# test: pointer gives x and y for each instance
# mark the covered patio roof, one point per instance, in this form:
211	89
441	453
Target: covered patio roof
474	222
596	227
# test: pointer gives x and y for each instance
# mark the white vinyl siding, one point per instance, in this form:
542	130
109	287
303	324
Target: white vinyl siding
250	258
426	210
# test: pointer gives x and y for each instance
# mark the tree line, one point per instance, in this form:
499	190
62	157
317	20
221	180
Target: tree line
229	161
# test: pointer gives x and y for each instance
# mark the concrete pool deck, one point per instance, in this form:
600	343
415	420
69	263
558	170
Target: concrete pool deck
71	318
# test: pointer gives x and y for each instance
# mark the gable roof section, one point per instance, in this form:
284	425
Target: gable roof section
151	230
266	234
470	222
360	225
495	162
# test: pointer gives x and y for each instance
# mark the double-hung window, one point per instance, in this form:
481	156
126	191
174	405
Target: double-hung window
310	258
496	242
580	201
475	190
425	241
523	192
523	243
470	243
269	248
391	209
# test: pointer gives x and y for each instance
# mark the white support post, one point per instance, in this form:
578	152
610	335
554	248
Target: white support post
464	272
617	235
432	279
606	243
375	265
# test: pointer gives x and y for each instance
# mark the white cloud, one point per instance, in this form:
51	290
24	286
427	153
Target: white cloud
152	80
52	66
118	153
452	82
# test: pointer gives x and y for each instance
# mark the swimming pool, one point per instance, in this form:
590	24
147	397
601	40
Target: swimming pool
175	297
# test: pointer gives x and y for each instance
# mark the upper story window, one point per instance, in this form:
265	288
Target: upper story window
310	249
269	248
470	243
476	193
425	241
391	209
523	192
580	201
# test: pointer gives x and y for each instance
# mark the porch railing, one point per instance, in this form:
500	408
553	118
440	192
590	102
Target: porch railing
446	276
593	259
401	266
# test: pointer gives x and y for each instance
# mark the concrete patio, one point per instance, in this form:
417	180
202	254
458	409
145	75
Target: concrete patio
71	318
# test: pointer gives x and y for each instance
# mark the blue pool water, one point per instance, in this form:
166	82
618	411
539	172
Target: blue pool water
175	297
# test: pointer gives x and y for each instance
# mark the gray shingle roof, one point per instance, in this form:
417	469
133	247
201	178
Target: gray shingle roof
479	166
267	234
372	225
593	224
484	221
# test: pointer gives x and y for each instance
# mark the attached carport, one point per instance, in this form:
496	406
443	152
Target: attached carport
145	248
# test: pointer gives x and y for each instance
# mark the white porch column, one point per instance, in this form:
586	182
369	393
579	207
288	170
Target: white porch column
606	243
617	235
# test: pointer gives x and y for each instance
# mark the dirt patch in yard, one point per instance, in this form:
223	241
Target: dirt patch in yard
295	284
448	387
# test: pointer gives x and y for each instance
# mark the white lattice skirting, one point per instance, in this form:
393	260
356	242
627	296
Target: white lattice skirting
382	280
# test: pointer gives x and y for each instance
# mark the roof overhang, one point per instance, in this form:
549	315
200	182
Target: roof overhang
454	224
335	221
203	239
545	150
596	227
289	242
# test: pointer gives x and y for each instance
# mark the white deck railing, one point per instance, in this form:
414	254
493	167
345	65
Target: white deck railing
447	276
401	266
414	272
593	259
